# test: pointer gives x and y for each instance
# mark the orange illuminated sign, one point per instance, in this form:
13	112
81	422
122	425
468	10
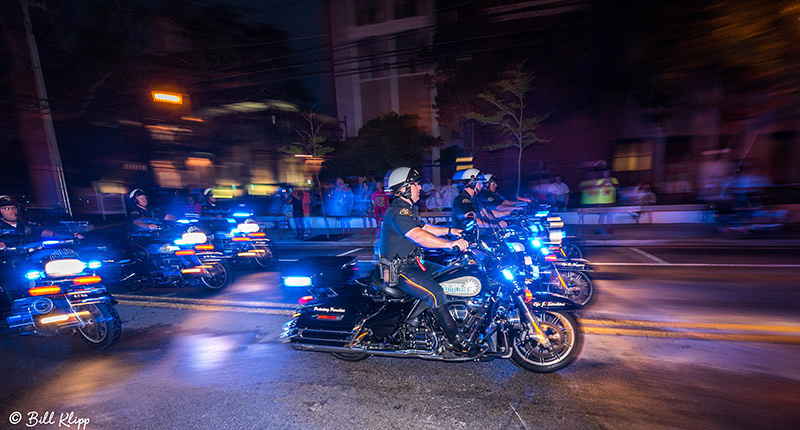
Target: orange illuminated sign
165	97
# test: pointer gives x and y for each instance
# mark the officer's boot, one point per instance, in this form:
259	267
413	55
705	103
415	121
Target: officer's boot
456	338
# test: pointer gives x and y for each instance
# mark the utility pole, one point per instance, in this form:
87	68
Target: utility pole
55	168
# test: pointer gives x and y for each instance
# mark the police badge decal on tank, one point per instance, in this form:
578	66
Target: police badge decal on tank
464	286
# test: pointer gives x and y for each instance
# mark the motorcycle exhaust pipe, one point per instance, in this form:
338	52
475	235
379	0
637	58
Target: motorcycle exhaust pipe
428	355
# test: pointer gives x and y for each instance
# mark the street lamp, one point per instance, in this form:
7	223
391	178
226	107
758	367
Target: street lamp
167	97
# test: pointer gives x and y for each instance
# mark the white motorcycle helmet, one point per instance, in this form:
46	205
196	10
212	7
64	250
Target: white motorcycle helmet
468	177
397	179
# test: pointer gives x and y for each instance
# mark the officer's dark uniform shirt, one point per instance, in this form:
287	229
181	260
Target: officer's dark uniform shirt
489	199
463	204
23	231
137	212
400	218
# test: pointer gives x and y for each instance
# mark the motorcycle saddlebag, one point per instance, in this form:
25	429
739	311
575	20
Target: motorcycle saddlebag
331	320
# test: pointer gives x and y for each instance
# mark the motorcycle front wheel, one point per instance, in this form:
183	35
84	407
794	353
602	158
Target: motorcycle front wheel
566	341
103	327
219	276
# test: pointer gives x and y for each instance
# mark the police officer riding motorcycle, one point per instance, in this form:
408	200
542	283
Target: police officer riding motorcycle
403	235
466	206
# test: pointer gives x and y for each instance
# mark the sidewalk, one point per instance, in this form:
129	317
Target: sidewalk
683	235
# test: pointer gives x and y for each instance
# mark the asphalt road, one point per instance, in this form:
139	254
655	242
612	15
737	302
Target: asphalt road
678	338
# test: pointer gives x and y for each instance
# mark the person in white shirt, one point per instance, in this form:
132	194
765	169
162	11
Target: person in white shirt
559	192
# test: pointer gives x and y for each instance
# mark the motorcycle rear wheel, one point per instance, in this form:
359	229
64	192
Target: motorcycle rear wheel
573	251
104	326
566	342
351	356
220	276
268	258
579	287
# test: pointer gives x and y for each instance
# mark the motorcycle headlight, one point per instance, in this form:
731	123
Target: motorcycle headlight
248	228
194	238
516	246
65	267
168	249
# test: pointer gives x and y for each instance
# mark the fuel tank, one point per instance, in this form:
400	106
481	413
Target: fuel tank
461	281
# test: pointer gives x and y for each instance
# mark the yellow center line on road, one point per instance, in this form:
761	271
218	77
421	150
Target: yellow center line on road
696	326
735	337
210	308
240	303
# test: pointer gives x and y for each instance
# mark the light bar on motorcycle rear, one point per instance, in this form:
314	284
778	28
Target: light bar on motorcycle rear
94	264
86	280
248	227
556	236
550	257
241	239
34	274
51	242
247	254
257	234
545	251
297	281
193	238
241	214
65	267
192	270
183	221
41	291
185	252
305	299
542	213
207	247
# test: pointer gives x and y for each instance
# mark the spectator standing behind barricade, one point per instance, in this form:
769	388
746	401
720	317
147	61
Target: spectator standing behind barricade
342	204
295	198
307	213
448	193
362	206
380	203
434	202
559	193
606	197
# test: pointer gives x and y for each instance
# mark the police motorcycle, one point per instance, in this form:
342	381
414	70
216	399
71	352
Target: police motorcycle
494	302
49	290
240	238
175	254
539	243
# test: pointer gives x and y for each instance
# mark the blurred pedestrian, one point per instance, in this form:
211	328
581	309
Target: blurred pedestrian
559	193
448	193
380	203
295	198
606	197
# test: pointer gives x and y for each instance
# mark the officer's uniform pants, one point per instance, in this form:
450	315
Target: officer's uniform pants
418	283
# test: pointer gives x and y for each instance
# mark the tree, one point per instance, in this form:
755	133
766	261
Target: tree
311	144
382	144
508	104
